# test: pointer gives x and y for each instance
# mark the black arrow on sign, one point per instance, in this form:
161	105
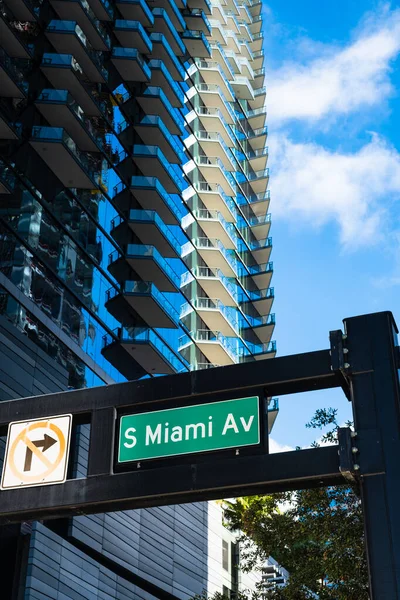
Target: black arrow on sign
46	443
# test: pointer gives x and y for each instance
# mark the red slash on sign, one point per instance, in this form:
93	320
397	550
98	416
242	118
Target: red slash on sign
46	443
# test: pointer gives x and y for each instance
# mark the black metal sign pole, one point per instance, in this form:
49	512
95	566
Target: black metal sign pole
373	361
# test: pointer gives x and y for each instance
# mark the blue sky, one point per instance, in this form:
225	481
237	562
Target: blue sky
333	81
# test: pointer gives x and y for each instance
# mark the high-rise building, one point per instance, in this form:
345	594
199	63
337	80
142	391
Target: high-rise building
134	242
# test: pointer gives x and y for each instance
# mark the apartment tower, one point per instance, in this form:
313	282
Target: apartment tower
134	242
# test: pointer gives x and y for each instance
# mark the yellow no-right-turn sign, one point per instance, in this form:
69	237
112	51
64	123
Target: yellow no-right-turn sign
37	452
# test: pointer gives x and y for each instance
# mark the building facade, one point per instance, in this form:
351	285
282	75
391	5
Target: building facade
134	242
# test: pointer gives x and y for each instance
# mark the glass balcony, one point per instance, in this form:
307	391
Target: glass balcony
64	73
146	300
214	198
164	26
131	34
217	316
217	348
196	20
148	263
212	120
130	64
215	284
91	26
259	202
255	25
147	349
258	137
257	42
242	88
259	180
150	159
220	55
16	36
61	110
218	31
258	59
73	168
213	97
213	171
153	131
149	228
161	78
154	102
260	225
67	37
258	158
136	10
12	78
256	117
213	144
263	327
261	274
213	75
216	256
260	299
214	226
172	9
153	196
255	8
163	51
200	366
260	249
258	352
196	44
7	179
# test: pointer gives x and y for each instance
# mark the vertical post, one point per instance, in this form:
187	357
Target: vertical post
372	358
101	441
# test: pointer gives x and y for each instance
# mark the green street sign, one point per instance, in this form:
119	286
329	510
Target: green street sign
189	429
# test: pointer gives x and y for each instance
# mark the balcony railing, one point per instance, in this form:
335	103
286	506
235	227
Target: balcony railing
144	288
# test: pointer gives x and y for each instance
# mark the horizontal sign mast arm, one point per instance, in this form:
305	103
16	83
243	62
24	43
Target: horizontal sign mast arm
283	375
175	485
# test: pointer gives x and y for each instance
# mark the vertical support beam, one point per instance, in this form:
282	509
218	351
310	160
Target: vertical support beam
375	396
101	442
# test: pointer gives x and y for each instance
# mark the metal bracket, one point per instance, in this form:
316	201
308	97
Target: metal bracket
347	466
340	360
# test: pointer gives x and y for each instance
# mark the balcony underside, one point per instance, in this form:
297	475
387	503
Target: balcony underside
148	233
7	132
263	305
213	99
166	5
150	165
161	25
196	47
60	115
214	148
9	88
215	321
64	78
260	207
258	142
213	201
144	305
131	38
146	267
160	52
261	231
123	361
260	184
263	333
153	105
129	68
151	199
69	43
216	260
21	10
259	163
148	357
213	124
213	228
200	4
73	11
63	164
215	353
272	414
10	42
135	11
153	135
262	255
159	79
214	288
214	174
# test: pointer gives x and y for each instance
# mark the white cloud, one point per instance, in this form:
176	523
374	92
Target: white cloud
275	447
339	81
314	186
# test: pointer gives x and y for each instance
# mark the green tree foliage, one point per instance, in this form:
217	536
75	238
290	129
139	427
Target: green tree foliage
317	535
